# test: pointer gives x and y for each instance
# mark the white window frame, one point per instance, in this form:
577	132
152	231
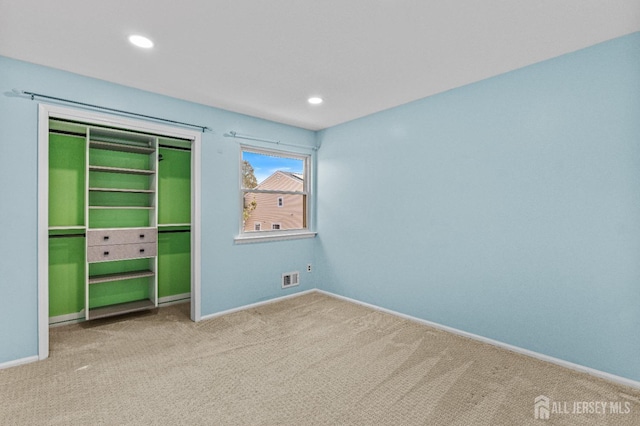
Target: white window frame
280	201
270	234
257	226
276	226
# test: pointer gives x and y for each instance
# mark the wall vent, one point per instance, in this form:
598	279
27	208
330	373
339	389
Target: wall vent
290	279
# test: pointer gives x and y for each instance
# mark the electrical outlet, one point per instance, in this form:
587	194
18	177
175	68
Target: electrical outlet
309	267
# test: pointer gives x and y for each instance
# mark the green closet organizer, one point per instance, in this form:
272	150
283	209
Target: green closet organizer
67	154
108	193
174	219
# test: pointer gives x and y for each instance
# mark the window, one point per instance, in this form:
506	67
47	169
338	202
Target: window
275	190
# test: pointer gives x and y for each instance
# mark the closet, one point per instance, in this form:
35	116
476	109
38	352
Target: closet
119	218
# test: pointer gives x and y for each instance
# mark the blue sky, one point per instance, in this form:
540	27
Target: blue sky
265	165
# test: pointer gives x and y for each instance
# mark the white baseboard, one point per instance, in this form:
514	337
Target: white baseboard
254	305
172	300
17	362
562	363
66	319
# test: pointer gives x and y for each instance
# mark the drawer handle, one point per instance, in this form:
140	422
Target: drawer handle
141	235
141	250
106	237
106	253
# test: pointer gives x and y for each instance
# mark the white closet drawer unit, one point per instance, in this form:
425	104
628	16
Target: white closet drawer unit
103	237
121	252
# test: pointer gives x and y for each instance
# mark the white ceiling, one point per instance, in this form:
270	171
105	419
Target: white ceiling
265	58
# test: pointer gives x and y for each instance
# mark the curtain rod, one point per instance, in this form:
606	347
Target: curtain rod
119	111
233	134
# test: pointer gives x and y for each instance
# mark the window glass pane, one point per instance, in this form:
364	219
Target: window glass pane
261	212
284	207
270	171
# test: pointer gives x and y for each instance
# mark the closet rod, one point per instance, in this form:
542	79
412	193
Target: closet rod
119	111
67	235
64	132
178	148
233	134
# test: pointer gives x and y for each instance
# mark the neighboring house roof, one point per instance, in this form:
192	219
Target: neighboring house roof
291	181
295	175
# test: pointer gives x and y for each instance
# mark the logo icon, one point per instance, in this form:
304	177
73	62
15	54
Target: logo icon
541	408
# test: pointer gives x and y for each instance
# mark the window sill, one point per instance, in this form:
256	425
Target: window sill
246	239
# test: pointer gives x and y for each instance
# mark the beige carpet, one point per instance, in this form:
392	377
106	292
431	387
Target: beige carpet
308	360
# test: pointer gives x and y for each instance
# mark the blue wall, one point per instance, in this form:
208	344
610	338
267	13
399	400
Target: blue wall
232	275
509	208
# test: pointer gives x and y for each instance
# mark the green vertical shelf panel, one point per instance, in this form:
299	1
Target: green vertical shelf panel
126	160
174	186
119	266
118	180
174	207
66	275
110	293
66	180
118	218
174	263
131	199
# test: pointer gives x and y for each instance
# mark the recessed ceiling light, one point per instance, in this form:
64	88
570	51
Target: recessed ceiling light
140	41
315	100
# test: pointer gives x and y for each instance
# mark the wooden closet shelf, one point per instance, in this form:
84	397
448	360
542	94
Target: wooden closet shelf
97	279
138	191
121	147
109	169
121	308
66	228
120	208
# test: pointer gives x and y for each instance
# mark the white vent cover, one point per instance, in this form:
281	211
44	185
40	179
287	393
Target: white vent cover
290	279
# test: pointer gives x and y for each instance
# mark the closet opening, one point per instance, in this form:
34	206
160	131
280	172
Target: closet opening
118	217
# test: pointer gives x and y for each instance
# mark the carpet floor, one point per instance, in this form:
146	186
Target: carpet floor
308	360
